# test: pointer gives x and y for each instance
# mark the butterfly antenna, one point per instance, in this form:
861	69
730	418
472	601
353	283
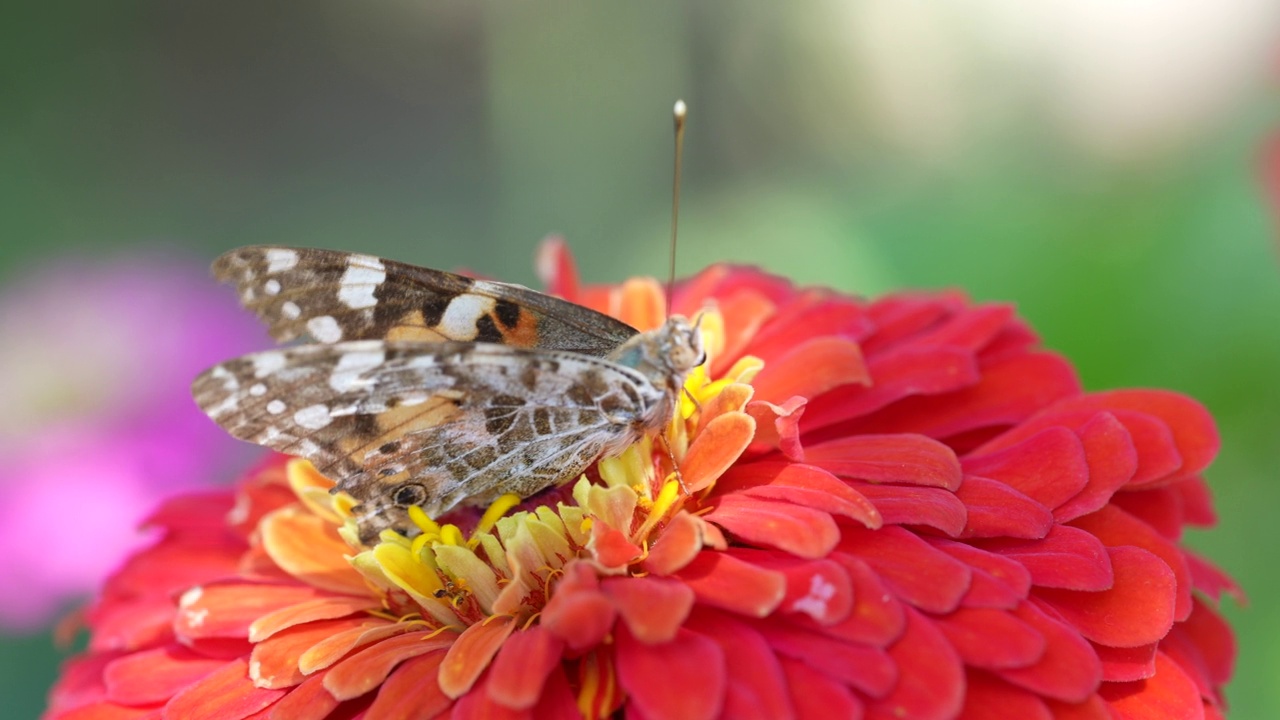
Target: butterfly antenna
679	113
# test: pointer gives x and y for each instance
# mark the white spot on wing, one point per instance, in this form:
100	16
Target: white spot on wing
307	448
325	329
258	390
281	259
271	287
363	276
290	310
459	321
275	407
313	417
266	363
346	374
228	404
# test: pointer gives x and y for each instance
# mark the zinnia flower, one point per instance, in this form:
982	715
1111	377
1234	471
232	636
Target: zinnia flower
96	425
900	508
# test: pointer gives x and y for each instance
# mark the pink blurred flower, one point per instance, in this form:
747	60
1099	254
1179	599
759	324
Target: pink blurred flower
96	426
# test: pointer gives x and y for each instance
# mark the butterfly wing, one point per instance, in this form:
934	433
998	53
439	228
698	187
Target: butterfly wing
431	424
334	296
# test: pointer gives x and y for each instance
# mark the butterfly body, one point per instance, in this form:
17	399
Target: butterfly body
432	389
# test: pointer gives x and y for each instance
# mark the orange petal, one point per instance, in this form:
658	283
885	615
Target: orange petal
796	529
333	648
274	661
224	694
471	652
653	608
411	692
733	398
744	312
522	666
325	608
643	304
308	701
227	609
811	369
779	426
309	549
678	544
611	546
578	612
716	448
366	669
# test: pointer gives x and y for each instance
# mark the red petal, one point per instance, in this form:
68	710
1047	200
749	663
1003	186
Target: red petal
914	571
106	711
1211	580
1136	610
805	485
1127	664
1194	431
1115	527
1095	708
1068	671
911	505
1112	459
971	328
876	618
1009	391
756	684
905	459
1170	694
471	652
411	692
154	676
930	676
820	589
721	580
989	698
870	670
1160	508
1049	467
653	608
224	694
478	705
612	547
998	582
1065	558
795	529
141	622
744	312
815	694
907	372
806	315
988	638
995	509
555	268
522	667
1213	640
810	369
366	669
1197	501
684	678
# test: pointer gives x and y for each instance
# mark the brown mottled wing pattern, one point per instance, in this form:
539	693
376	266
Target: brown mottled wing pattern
407	423
334	296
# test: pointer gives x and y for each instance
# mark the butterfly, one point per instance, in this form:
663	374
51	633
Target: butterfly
432	389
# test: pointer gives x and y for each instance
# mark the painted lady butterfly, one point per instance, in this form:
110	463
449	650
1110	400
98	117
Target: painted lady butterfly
432	389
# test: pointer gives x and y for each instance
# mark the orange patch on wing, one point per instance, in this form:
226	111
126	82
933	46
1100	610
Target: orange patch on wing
524	333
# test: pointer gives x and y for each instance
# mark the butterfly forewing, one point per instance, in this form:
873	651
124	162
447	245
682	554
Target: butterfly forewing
399	423
333	296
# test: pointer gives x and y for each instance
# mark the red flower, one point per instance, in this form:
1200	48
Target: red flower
891	509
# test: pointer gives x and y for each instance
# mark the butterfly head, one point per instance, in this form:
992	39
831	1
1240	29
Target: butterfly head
665	355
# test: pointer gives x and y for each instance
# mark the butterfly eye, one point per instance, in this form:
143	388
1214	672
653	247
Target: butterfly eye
410	494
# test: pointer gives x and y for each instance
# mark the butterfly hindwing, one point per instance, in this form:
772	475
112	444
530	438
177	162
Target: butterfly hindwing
400	423
334	296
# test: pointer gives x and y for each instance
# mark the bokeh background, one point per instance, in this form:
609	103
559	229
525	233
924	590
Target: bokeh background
1098	163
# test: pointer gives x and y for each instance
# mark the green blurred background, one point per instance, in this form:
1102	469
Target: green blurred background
1096	162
